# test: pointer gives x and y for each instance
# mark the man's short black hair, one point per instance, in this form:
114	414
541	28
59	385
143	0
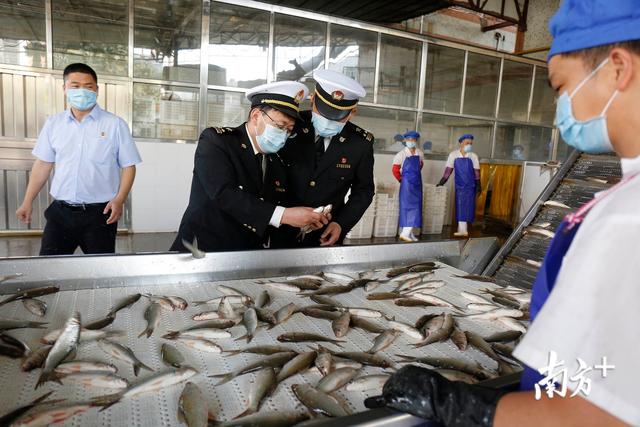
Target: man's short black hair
593	56
79	67
261	107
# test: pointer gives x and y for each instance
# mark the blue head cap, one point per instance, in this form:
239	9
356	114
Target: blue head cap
582	24
465	136
411	134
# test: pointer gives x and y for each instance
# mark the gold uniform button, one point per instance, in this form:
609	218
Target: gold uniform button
312	184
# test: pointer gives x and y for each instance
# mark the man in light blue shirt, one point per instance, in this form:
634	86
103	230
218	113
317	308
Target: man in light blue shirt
94	157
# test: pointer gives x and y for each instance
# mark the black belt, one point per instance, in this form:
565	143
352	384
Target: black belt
81	206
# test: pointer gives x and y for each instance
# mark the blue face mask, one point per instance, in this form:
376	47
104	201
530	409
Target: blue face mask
468	148
410	144
590	136
272	139
81	99
325	127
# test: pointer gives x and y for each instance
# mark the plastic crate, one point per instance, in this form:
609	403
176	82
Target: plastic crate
385	225
363	229
434	207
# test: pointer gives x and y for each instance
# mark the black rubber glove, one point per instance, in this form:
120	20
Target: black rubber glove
478	187
442	182
427	394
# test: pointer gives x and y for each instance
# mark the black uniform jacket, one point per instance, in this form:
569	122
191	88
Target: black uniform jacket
346	164
230	206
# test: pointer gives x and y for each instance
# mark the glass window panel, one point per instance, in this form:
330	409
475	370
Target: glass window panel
514	94
481	86
564	150
443	88
299	48
227	108
533	142
238	46
399	71
353	53
443	133
95	33
543	106
166	112
384	124
22	33
167	40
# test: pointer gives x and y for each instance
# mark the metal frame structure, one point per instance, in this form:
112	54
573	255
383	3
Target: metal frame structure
329	20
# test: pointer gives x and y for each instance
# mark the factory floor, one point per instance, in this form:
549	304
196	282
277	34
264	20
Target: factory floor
19	246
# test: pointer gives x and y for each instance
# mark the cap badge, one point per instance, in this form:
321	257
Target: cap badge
342	139
305	130
337	95
299	96
343	160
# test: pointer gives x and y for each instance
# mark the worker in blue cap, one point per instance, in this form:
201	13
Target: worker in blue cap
467	167
584	305
406	168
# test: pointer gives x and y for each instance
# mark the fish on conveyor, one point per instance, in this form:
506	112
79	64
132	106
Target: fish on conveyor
554	204
8	418
12	347
542	224
35	359
206	315
86	335
77	366
226	310
47	414
362	312
453	375
340	326
459	338
178	302
474	369
319	402
124	303
100	323
378	296
96	379
337	278
512	324
406	329
162	301
260	349
204	331
31	293
325	300
193	248
299	363
263	385
285	313
250	322
368	383
35	306
362	357
339	363
482	308
324	362
437	334
280	286
307	337
324	210
329	290
152	316
407	279
503	337
193	408
477	278
66	343
199	344
394	272
540	232
475	298
336	379
434	300
384	340
171	356
156	382
317	276
305	284
10	277
263	300
413	302
9	324
267	316
124	354
424	291
231	291
422	320
481	345
367	325
319	313
495	314
267	419
507	302
276	360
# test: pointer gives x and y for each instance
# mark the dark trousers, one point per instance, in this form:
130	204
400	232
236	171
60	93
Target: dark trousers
71	226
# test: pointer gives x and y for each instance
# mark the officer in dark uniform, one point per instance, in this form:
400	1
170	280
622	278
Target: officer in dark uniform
328	156
239	187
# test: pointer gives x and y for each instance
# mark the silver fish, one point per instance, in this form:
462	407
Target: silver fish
64	345
250	321
372	286
324	362
477	278
97	379
206	315
78	366
437	334
193	248
346	363
261	349
459	338
319	313
384	340
340	326
507	336
229	291
263	385
482	308
263	300
8	418
299	363
152	316
540	231
100	323
178	302
336	379
367	383
35	359
171	355
363	358
434	300
475	298
10	277
267	419
555	204
337	278
193	406
285	313
474	369
407	276
324	210
479	343
125	303
9	324
199	344
367	325
267	316
512	324
424	291
306	337
363	312
225	309
198	333
12	347
319	402
496	314
48	414
123	353
31	293
162	301
325	300
282	286
86	335
35	306
406	329
275	361
317	277
453	375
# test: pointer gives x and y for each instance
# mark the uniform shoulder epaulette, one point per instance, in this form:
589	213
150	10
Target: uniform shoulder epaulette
222	130
363	133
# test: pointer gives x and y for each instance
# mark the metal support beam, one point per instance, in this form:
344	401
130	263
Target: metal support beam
497	26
